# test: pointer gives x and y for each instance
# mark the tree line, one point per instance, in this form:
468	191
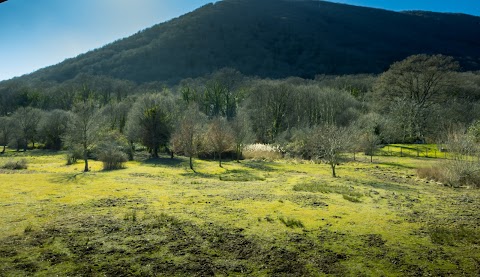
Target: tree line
420	99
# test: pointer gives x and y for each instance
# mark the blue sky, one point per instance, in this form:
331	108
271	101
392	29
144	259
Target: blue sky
39	33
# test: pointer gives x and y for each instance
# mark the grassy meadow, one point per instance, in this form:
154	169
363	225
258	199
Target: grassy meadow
262	218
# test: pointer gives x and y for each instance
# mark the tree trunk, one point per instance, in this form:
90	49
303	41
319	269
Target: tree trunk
155	152
86	164
220	159
191	164
4	146
238	153
85	158
334	174
25	145
354	159
371	158
172	154
132	150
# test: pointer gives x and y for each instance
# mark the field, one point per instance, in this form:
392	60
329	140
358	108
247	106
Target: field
262	218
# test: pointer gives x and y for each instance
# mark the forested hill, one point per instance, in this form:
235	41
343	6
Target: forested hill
277	38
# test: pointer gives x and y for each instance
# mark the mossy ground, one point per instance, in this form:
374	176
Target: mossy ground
287	217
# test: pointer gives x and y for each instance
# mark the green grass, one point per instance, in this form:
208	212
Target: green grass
287	217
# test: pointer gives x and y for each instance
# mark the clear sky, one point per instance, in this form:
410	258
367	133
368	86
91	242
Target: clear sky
39	33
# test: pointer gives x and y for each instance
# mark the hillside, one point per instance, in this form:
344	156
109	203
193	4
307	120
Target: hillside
277	38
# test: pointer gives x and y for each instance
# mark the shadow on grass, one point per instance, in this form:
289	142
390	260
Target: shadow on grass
387	186
398	165
175	162
67	178
240	175
31	153
196	174
259	165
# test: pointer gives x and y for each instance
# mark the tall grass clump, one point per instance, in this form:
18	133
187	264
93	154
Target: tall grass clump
16	165
434	173
462	173
455	173
260	151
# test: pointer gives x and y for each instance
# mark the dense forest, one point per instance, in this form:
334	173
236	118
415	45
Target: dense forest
417	100
275	39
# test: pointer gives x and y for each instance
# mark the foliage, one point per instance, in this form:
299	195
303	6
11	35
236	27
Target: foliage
187	137
53	127
74	153
112	150
241	132
414	85
26	121
7	129
219	137
83	130
270	39
150	121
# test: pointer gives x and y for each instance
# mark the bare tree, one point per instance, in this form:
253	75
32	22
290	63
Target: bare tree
84	128
241	132
187	137
327	143
414	84
219	137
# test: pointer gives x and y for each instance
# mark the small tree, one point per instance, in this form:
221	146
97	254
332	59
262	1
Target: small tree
6	131
369	143
220	137
151	121
26	121
52	128
112	150
410	88
327	143
241	132
83	129
186	138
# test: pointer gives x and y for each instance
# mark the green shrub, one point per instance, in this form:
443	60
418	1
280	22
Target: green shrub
112	158
16	165
73	155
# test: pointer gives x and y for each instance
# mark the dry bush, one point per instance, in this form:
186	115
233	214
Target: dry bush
262	152
456	173
432	173
463	173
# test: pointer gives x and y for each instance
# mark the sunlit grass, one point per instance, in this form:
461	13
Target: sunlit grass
381	203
